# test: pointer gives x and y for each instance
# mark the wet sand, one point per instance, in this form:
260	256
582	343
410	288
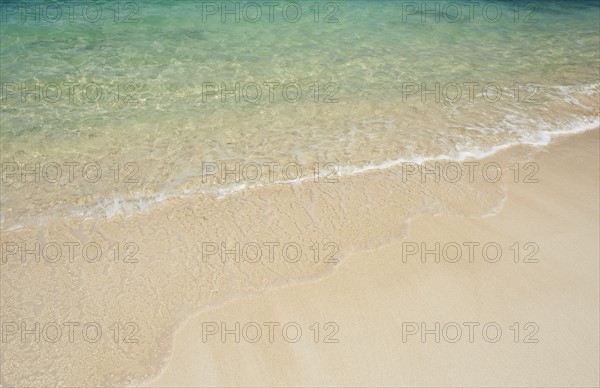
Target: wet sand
374	298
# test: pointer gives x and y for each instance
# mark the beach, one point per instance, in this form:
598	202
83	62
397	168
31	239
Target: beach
352	193
373	293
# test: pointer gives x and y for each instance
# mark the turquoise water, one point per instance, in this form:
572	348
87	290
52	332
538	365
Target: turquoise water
143	86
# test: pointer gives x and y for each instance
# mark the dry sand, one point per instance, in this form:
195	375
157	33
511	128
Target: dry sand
554	301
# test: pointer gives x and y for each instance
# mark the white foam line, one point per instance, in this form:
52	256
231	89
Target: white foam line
547	137
141	203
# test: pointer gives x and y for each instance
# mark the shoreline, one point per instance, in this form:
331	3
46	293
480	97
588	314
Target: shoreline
128	207
178	373
363	214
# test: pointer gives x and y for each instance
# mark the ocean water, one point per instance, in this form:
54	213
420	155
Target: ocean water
351	84
168	123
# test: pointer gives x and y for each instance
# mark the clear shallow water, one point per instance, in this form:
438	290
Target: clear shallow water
139	88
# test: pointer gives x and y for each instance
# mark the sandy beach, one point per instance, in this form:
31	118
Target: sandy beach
375	299
358	193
